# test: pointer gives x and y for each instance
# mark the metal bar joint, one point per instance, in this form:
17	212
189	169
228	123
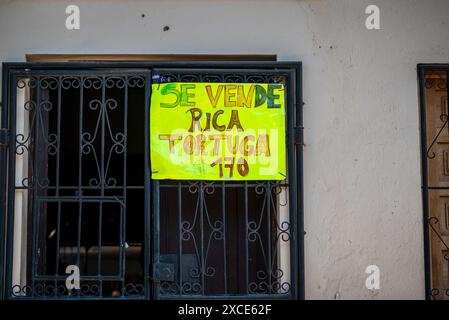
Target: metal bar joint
299	135
4	138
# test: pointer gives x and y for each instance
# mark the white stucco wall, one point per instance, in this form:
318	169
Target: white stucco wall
361	159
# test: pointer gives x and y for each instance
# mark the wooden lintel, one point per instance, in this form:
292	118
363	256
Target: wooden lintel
148	57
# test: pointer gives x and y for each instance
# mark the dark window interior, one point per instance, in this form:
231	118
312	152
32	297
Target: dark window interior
91	221
83	202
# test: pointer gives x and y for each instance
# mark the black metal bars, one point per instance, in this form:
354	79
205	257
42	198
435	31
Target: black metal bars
97	90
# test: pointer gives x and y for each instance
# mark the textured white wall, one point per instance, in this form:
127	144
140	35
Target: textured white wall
362	164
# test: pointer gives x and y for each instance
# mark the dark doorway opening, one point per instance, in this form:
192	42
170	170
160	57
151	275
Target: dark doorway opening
90	232
91	213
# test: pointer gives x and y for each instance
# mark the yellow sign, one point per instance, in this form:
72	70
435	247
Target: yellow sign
217	131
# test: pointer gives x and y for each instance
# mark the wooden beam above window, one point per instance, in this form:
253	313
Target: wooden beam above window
148	57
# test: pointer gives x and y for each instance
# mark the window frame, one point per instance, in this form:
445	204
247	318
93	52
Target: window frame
293	68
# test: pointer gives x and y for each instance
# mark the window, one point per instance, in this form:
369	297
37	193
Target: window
78	192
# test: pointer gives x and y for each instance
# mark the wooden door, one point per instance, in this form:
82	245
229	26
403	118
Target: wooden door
438	178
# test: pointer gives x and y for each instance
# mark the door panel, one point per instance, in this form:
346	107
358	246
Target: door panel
438	180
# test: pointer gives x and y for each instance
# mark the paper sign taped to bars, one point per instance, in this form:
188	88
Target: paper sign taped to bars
217	131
